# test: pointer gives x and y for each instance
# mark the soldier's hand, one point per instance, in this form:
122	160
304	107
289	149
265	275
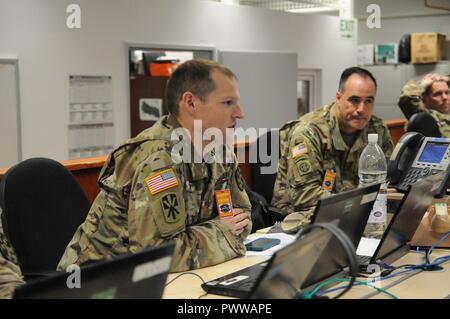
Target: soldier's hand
238	222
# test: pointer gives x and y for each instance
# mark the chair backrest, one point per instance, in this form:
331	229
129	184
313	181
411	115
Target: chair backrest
425	124
43	205
262	181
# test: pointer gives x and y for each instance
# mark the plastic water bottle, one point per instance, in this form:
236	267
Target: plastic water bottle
373	169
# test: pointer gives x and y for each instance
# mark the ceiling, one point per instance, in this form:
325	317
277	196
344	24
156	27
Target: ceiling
301	6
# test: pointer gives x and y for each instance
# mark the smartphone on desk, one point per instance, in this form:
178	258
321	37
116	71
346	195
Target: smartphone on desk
262	244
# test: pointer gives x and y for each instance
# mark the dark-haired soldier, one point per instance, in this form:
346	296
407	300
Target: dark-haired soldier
320	151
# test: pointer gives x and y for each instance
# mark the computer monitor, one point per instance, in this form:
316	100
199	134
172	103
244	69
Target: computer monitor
291	265
139	276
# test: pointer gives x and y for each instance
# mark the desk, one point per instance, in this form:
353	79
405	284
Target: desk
86	170
188	286
423	285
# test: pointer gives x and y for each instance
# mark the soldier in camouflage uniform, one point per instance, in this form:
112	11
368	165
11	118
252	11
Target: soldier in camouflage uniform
6	249
431	95
321	150
147	198
10	278
10	275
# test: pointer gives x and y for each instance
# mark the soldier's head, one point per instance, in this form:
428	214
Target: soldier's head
437	95
207	91
355	99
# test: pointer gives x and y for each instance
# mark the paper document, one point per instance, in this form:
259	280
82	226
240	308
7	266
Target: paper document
285	239
367	246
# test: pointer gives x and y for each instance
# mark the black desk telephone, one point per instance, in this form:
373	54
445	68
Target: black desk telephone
416	157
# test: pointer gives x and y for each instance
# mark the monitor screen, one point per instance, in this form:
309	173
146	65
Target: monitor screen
433	152
410	214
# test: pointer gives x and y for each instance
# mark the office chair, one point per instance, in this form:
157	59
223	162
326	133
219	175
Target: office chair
425	124
263	173
43	205
263	181
405	107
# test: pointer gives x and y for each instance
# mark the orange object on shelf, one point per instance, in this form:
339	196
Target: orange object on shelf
161	69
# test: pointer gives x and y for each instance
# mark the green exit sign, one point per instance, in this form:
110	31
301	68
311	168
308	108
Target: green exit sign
347	28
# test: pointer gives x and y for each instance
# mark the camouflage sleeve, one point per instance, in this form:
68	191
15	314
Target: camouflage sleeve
442	120
104	233
159	215
304	177
240	198
410	101
10	278
6	249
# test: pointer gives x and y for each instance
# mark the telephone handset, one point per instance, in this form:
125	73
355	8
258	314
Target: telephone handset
416	157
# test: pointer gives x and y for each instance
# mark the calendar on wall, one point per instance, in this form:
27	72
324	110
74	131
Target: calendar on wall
91	121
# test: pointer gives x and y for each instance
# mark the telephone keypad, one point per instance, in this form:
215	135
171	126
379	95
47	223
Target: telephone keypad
416	174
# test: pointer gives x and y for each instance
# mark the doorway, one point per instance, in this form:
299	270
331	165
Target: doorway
150	67
309	90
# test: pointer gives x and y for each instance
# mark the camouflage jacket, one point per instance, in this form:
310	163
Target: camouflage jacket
131	212
10	278
411	101
6	249
310	148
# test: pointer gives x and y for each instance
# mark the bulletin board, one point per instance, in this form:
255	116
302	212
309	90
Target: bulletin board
10	132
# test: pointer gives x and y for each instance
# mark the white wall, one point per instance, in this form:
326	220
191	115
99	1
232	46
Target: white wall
35	32
396	8
398	18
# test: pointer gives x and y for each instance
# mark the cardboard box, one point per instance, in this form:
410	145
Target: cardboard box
427	47
386	53
365	55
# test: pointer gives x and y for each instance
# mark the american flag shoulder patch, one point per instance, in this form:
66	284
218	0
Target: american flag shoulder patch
299	150
160	181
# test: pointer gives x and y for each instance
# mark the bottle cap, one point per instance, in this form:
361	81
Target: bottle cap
373	138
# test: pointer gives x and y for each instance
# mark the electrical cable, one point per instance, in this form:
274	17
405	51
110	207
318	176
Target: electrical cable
387	273
349	248
185	273
427	260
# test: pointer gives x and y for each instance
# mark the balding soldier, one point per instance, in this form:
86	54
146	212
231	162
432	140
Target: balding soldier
147	198
432	95
321	150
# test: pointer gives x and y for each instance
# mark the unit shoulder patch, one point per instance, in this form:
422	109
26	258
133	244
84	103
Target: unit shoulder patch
171	207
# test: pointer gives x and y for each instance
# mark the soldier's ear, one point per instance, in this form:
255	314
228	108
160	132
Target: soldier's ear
188	102
338	95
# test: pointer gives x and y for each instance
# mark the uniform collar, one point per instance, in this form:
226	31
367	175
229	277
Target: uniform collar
338	141
199	171
172	122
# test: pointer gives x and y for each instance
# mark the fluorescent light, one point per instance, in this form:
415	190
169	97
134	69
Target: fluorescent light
311	10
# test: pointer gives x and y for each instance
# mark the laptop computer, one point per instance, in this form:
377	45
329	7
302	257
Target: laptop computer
139	276
279	277
350	211
395	240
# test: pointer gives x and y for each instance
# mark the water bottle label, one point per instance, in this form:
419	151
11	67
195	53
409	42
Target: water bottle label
379	210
